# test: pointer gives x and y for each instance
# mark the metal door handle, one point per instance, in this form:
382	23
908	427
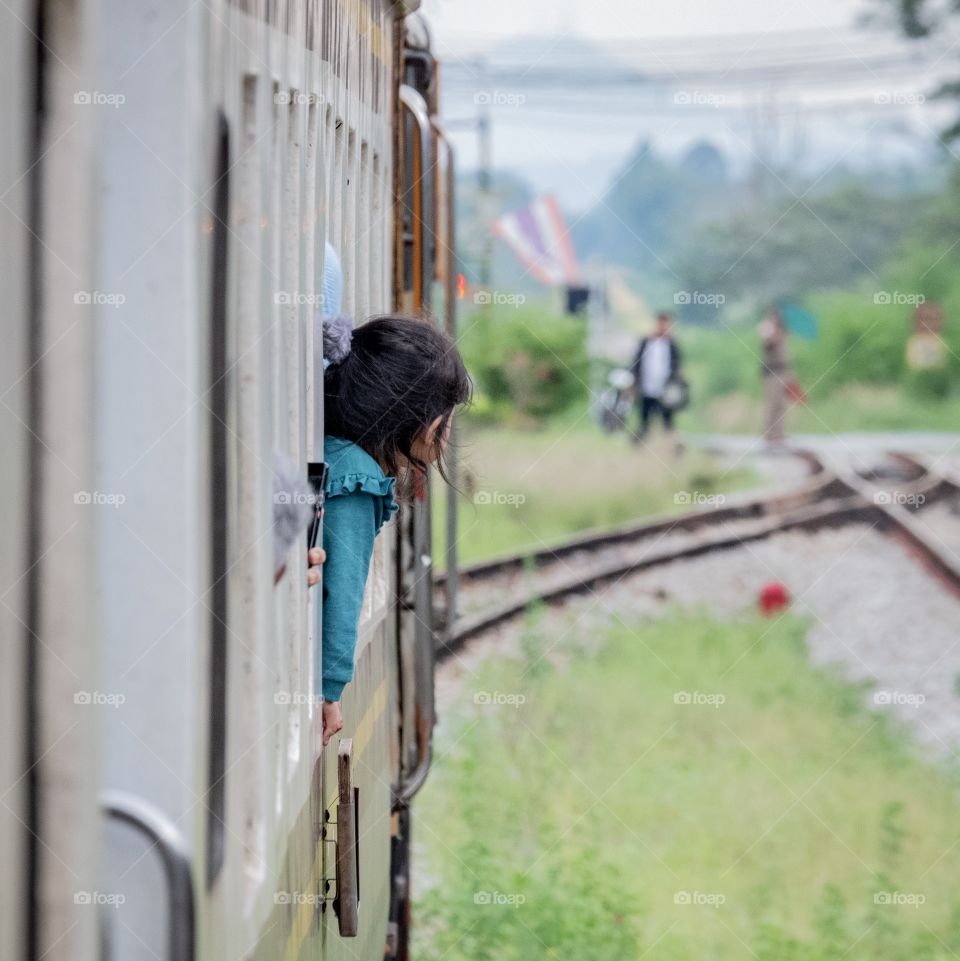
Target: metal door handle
161	832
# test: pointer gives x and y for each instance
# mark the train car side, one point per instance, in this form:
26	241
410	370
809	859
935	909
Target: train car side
178	802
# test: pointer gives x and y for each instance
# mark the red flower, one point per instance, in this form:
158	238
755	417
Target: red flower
774	597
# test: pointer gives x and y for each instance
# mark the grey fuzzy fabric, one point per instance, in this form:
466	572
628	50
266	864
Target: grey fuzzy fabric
337	337
292	508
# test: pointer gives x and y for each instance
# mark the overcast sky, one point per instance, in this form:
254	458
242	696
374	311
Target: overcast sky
467	25
570	138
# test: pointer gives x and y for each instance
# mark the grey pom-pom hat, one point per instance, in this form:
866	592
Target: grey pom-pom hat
337	339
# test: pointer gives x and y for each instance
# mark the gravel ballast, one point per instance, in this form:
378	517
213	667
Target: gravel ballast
875	613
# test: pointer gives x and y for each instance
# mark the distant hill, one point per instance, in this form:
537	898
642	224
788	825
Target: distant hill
689	224
653	203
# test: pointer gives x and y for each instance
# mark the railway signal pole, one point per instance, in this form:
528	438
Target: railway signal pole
485	207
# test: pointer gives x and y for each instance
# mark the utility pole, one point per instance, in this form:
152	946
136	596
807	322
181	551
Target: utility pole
482	246
485	205
766	141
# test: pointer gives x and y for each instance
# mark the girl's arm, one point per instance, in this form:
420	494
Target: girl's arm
349	529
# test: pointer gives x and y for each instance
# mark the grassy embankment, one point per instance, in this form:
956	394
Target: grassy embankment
579	809
528	488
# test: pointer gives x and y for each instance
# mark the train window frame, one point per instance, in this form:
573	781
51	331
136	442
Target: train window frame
289	395
219	535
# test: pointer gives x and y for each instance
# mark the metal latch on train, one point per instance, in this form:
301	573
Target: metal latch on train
346	904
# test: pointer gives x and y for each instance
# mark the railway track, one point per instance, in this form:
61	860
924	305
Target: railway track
893	494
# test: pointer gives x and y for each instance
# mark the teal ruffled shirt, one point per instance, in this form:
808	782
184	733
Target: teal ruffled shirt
359	501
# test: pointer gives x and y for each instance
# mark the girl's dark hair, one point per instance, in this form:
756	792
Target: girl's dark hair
397	377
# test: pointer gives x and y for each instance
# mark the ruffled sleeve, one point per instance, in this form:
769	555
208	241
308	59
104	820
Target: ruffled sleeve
381	488
359	501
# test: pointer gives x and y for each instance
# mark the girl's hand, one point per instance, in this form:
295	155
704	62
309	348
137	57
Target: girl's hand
315	558
332	720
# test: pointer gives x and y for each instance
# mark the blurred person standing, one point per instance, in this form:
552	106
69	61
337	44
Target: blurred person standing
656	364
776	375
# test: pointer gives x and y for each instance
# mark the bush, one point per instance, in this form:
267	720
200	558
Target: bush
528	363
720	360
864	342
929	384
859	341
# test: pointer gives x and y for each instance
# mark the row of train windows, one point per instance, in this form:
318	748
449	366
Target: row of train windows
329	29
340	189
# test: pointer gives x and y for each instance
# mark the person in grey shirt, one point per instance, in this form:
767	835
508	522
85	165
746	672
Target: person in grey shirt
656	363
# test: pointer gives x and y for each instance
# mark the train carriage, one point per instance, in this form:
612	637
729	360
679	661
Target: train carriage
173	176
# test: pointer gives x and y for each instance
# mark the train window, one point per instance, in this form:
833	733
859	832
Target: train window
251	292
409	200
378	252
279	293
335	228
216	787
291	396
289	244
366	238
348	255
417	203
309	218
325	165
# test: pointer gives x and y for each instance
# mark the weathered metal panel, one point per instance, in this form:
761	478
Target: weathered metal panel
17	53
63	615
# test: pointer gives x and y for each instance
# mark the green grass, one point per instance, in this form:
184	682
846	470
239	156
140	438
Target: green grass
853	407
588	813
525	488
875	408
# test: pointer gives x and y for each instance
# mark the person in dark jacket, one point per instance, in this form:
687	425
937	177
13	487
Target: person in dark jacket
656	363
